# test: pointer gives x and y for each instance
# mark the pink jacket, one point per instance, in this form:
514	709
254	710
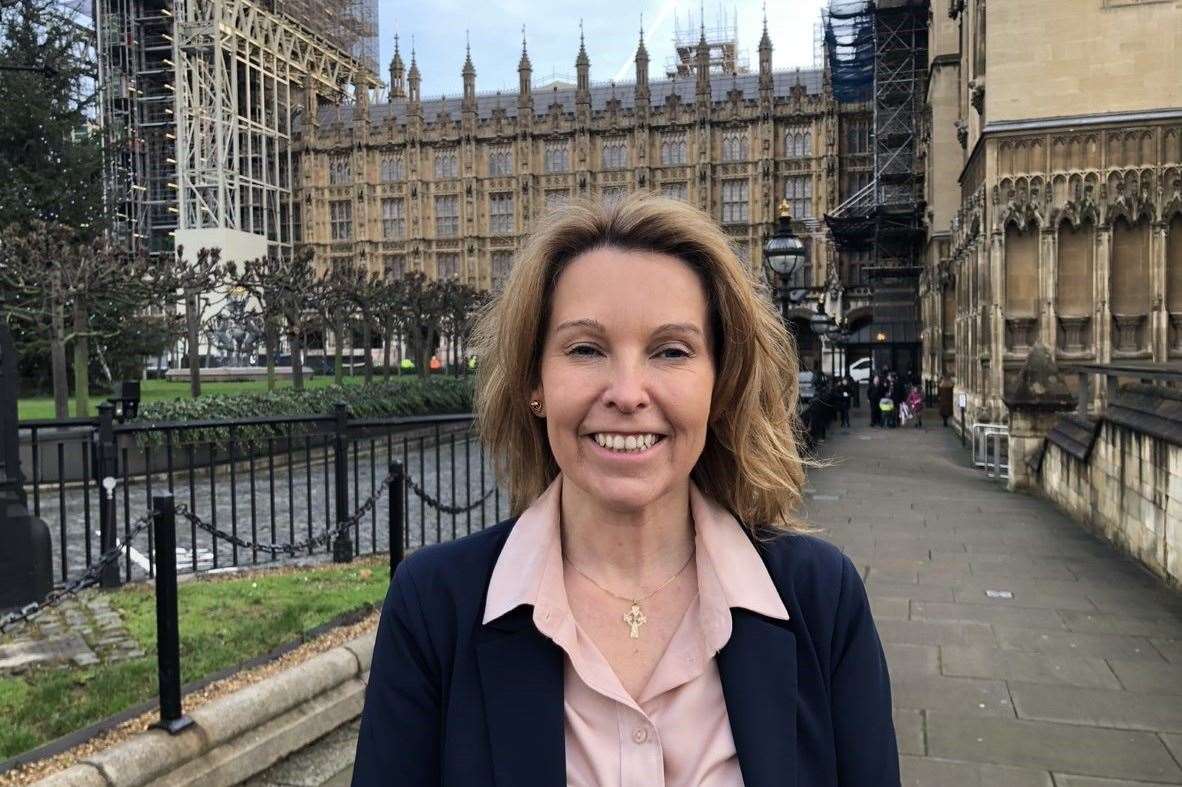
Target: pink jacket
915	401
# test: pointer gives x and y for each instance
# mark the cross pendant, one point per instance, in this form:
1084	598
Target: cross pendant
635	619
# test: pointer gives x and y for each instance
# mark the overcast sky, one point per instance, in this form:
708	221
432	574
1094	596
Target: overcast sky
552	32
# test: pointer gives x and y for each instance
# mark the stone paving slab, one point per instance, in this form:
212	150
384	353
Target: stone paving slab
1148	676
1098	707
1071	748
933	772
1031	653
1010	665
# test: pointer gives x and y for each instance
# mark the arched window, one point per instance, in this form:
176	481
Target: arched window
734	146
393	169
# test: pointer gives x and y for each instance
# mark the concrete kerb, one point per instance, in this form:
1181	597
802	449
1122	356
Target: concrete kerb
239	735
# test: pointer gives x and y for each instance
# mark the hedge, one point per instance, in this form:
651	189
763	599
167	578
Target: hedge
404	397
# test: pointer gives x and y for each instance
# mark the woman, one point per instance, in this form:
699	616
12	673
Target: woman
915	405
653	613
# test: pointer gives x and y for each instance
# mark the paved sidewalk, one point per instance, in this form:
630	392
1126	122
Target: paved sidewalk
1023	651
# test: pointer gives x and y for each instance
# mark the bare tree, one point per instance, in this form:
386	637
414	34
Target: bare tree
53	282
420	314
193	279
264	279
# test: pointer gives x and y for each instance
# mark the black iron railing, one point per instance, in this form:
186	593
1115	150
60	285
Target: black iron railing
257	482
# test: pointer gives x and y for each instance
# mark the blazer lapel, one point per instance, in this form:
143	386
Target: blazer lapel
757	667
521	679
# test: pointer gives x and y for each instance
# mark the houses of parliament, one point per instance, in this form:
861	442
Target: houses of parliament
451	186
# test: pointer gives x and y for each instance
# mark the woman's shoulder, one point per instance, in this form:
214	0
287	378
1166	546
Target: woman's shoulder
812	574
801	555
458	561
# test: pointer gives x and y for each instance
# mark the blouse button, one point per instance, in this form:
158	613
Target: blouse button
640	735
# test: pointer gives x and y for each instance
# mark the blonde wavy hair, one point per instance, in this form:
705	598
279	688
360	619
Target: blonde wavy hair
751	462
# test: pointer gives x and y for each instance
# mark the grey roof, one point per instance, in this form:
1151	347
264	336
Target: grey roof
720	85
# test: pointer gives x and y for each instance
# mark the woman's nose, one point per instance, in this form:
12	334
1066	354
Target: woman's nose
628	388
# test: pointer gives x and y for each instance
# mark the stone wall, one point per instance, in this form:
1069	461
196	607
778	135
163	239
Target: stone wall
1128	487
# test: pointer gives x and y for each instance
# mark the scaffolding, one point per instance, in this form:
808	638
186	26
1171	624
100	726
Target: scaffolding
877	52
197	104
723	40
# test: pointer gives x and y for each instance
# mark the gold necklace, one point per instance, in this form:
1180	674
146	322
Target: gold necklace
635	617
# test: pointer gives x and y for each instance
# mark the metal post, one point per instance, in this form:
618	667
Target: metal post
962	435
397	515
168	640
342	546
106	471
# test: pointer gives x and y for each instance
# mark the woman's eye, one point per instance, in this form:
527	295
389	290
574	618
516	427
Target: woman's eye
578	350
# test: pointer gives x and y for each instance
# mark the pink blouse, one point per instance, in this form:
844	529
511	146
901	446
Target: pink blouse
677	731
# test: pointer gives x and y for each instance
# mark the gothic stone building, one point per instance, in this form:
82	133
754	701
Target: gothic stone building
451	186
1054	157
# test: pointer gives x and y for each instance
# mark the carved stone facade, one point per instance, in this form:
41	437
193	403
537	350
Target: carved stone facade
452	186
1068	227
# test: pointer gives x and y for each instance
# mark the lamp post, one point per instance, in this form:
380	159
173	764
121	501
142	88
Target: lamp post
783	254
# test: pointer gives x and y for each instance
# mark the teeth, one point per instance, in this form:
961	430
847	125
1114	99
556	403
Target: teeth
629	443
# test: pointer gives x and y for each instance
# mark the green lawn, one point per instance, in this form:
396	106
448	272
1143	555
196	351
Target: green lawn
224	621
157	390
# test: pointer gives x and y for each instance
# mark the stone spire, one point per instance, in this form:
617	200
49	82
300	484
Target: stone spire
469	74
397	73
765	57
413	81
583	70
642	93
702	62
524	72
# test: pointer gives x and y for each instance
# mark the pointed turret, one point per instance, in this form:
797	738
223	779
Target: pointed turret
469	74
702	62
413	80
765	60
642	92
524	76
397	86
582	70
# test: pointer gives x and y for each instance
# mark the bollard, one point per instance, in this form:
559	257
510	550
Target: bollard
168	640
106	472
342	546
397	483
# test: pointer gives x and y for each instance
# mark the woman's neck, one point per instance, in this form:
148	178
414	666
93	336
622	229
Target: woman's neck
627	551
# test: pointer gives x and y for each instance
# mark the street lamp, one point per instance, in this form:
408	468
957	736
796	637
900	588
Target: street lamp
783	253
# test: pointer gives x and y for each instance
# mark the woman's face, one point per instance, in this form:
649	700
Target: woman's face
626	354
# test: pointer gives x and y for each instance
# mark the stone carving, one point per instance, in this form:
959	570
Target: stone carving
1127	332
1072	336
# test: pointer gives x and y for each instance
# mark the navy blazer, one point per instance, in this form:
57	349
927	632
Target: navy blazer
452	701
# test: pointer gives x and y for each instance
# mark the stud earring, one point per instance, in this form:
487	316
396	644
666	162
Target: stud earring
536	406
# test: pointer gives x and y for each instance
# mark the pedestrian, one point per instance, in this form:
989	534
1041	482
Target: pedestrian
645	488
873	394
898	392
844	400
854	389
944	392
914	404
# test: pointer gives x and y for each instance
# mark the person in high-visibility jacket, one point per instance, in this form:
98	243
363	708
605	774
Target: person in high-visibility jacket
472	362
407	365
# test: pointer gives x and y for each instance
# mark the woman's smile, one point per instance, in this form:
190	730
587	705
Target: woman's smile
638	454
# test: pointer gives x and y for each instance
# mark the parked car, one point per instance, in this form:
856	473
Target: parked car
861	369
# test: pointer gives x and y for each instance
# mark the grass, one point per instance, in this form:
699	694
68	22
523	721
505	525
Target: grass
163	390
224	621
